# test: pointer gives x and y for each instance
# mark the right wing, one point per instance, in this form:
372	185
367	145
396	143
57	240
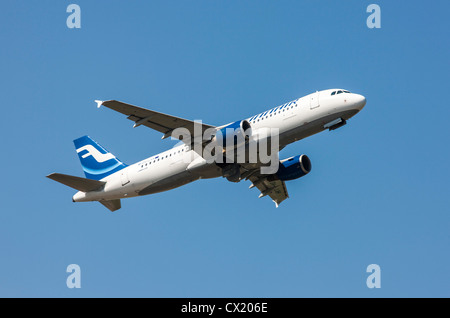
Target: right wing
268	185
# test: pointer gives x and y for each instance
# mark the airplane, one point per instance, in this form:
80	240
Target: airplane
108	180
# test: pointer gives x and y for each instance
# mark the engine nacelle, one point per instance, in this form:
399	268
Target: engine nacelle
294	168
234	135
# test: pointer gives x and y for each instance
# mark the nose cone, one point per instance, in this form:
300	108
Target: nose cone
360	101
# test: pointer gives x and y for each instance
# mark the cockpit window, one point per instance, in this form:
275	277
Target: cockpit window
339	92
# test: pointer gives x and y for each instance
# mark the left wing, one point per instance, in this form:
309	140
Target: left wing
271	186
163	123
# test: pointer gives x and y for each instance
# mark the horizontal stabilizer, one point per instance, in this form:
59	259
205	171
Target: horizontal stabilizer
112	205
80	184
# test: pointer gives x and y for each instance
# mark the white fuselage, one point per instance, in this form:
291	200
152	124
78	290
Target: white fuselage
180	165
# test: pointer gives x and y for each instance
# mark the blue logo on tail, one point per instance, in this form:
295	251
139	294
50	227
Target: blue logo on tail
96	161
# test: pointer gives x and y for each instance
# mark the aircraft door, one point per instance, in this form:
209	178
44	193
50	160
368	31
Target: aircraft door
124	178
314	100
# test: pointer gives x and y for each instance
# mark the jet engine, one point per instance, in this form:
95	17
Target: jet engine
294	168
236	134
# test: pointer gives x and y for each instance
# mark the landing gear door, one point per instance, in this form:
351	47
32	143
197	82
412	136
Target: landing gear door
314	100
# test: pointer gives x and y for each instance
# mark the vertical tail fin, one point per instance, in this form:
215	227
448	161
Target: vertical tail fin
96	161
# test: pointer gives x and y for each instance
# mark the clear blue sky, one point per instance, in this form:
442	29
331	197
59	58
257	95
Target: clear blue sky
378	192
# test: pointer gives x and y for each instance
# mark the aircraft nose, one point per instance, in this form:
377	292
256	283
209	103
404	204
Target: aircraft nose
360	101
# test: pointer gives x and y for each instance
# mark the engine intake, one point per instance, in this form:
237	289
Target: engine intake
294	168
235	134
